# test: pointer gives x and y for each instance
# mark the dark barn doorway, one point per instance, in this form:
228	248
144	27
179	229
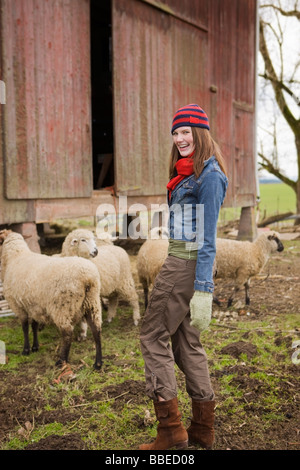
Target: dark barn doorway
102	93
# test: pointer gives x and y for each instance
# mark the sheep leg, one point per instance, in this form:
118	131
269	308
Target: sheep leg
237	288
146	297
133	300
96	332
112	307
25	328
83	331
136	311
247	296
35	345
65	348
216	301
230	300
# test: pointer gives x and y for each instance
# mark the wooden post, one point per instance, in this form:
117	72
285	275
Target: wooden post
29	231
247	225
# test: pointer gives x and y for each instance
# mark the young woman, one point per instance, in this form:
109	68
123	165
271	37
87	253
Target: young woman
181	300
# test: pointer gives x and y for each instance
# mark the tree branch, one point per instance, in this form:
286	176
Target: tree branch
282	86
294	13
271	74
268	165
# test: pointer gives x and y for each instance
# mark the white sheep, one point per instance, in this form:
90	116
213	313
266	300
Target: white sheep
114	267
41	288
150	259
241	260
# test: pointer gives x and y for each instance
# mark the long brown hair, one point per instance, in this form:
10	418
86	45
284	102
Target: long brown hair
205	147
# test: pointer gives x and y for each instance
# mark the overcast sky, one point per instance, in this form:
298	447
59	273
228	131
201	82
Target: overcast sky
267	110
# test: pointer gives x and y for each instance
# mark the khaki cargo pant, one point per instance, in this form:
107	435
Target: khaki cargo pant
168	318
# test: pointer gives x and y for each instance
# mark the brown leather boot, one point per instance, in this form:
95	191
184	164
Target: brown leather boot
201	430
170	431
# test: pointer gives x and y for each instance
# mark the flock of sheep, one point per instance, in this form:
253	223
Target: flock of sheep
236	260
68	289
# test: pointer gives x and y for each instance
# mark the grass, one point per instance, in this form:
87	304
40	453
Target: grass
123	362
275	198
254	394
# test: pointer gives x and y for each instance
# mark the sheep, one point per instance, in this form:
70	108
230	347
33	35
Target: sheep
41	288
150	259
113	264
105	238
241	260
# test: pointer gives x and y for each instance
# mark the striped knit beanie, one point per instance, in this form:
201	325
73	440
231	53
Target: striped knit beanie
191	115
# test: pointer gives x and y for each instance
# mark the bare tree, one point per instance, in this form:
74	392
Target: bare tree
284	82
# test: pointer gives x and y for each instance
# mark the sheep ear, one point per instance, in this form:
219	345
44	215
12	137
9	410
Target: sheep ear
3	235
74	241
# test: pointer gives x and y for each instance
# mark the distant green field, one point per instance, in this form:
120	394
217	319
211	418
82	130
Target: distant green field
275	198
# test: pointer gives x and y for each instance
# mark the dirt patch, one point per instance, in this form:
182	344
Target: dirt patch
251	434
240	347
130	390
54	442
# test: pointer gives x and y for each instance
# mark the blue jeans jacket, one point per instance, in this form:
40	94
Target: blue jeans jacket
193	214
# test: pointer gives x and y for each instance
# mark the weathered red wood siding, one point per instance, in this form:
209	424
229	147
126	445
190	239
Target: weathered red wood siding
165	54
159	64
232	53
46	68
168	54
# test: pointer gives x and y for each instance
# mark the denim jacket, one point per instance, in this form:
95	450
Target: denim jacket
193	214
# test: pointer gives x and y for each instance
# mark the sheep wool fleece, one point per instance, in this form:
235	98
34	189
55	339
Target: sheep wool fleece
168	315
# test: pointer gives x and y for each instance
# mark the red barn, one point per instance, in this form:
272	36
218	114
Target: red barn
90	91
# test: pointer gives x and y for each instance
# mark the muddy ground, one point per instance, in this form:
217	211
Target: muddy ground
275	292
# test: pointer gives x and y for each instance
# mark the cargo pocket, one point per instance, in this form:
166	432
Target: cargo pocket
160	295
154	315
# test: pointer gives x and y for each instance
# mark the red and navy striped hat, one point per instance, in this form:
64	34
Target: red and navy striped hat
191	115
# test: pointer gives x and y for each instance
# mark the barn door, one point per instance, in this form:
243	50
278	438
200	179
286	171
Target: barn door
159	64
46	69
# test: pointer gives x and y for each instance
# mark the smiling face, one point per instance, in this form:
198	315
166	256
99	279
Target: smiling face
183	139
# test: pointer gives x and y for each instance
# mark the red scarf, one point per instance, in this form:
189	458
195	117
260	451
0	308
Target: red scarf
184	167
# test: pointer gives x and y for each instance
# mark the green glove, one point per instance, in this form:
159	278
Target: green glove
200	308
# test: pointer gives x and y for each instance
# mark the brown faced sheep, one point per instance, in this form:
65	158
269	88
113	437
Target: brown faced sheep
40	288
241	260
